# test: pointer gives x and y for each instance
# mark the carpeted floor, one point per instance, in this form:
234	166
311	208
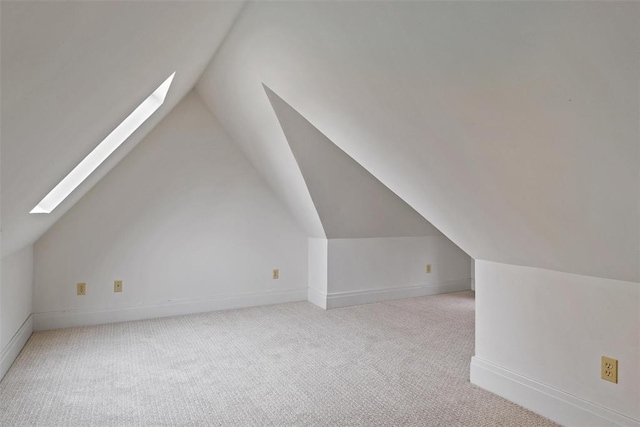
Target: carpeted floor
403	362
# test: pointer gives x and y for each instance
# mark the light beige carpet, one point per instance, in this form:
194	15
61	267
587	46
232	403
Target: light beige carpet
402	362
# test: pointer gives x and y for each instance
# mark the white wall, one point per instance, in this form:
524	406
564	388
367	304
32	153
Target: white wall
184	220
473	274
16	293
345	272
1	322
377	269
377	245
16	290
510	126
318	271
553	328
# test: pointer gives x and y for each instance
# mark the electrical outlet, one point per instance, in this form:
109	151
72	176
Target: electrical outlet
428	268
117	286
609	369
82	288
276	273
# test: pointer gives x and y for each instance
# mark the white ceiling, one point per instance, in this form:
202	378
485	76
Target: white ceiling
511	126
71	72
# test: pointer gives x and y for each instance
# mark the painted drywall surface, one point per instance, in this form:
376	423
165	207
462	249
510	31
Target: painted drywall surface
71	72
510	126
351	203
318	271
394	262
183	216
1	373
473	274
554	327
318	267
16	293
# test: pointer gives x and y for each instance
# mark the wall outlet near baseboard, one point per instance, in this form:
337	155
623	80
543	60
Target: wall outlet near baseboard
276	273
609	369
427	269
81	289
117	286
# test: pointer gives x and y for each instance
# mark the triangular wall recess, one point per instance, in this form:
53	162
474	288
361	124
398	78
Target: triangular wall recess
351	202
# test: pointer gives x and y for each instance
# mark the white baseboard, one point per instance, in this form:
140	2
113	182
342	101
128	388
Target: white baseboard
368	296
14	347
98	316
318	298
547	401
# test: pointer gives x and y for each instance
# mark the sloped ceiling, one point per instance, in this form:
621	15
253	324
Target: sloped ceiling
351	203
510	126
71	72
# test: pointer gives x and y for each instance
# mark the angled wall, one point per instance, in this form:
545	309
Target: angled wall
378	246
351	203
184	221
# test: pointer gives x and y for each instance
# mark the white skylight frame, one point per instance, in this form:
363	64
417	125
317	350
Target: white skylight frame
104	149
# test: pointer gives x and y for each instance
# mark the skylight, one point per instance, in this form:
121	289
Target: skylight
104	149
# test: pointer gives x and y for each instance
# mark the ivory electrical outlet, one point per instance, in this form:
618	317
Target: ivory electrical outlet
276	273
82	288
609	369
117	286
428	268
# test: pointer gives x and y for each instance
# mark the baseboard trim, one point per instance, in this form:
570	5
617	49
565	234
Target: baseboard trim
98	316
558	406
15	346
368	296
317	298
